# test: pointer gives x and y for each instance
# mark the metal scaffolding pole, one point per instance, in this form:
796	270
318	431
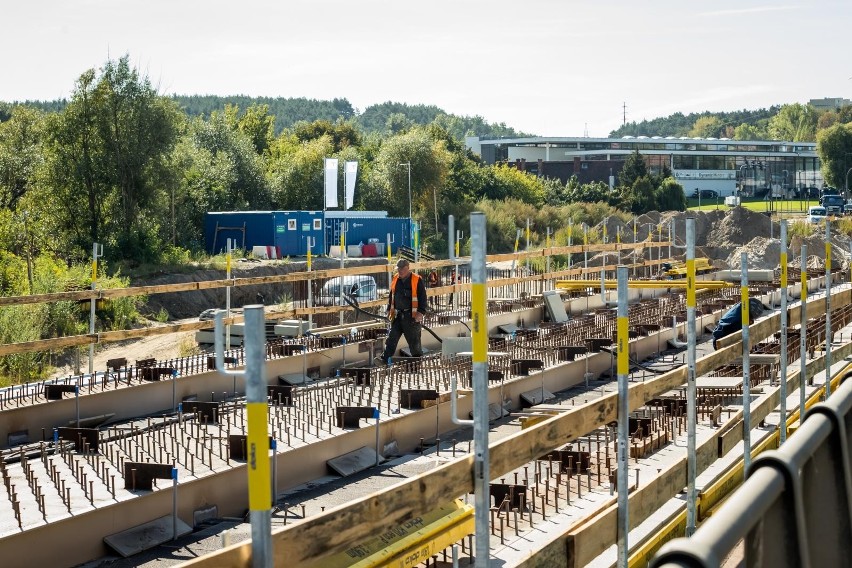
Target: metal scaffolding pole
827	309
690	376
746	371
623	368
803	352
783	372
257	437
482	505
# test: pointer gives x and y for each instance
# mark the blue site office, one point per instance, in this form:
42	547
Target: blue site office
289	231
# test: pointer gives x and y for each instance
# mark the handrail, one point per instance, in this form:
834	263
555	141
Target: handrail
795	508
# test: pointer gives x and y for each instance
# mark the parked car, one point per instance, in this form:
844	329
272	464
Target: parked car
705	193
360	288
816	215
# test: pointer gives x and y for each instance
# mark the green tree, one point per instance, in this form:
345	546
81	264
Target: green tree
834	147
137	129
750	132
669	196
640	197
76	186
221	136
507	182
594	192
398	123
21	153
341	133
429	161
258	126
633	169
795	123
706	127
296	172
108	168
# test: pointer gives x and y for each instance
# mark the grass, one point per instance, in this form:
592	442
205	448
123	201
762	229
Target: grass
787	207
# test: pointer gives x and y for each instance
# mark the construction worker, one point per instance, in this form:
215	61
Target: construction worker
406	306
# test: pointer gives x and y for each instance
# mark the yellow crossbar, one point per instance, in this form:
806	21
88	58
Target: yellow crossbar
410	543
643	284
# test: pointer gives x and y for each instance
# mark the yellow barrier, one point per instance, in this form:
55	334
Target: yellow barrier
411	543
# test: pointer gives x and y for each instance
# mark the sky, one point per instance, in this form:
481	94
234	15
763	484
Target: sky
546	67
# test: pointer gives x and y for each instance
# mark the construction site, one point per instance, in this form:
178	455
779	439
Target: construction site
573	407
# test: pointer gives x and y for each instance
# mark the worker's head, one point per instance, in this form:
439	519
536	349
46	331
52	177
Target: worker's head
402	267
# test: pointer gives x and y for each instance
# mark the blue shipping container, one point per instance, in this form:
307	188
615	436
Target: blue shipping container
363	229
290	230
246	228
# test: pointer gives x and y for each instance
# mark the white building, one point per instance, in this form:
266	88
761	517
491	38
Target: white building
722	165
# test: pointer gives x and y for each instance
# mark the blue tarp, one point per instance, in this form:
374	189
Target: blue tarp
732	321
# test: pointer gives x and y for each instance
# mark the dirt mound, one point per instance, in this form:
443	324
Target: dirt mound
763	254
613	226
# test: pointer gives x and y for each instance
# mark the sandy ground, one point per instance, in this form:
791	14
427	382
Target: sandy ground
161	347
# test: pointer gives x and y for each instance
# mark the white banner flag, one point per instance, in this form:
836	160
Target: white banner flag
351	175
330	182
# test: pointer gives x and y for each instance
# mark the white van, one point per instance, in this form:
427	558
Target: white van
816	215
360	288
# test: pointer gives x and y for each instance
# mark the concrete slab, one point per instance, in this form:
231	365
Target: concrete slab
145	536
353	462
536	396
718	382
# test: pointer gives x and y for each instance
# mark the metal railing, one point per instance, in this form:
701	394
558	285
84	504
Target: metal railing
795	508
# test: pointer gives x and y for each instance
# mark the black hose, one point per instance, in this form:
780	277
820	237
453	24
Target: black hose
358	310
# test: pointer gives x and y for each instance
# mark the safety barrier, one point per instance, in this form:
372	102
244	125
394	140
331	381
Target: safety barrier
795	508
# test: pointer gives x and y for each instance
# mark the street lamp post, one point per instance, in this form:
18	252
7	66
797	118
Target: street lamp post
408	165
743	179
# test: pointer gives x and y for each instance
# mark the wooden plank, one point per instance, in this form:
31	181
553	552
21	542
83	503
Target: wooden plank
82	295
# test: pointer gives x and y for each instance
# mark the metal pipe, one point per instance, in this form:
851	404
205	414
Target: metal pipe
827	309
174	502
690	376
623	368
228	248
342	251
746	371
783	372
570	241
803	352
547	244
480	386
92	302
311	243
451	233
454	413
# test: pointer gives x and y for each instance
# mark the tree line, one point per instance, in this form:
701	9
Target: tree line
791	123
122	165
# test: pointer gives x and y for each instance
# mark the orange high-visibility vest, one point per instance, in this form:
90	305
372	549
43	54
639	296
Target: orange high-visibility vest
415	302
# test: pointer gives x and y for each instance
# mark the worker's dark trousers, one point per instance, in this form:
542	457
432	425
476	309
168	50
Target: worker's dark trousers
403	324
